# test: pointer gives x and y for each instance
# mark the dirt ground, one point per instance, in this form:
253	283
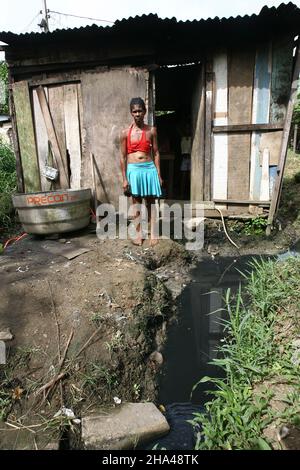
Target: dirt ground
88	331
108	307
108	302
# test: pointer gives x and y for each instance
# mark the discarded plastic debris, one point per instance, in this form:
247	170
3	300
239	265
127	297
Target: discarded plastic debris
20	270
68	413
65	412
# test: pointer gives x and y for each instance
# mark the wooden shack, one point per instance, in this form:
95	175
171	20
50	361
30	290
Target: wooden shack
231	82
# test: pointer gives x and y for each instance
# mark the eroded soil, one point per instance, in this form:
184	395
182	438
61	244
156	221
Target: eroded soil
109	304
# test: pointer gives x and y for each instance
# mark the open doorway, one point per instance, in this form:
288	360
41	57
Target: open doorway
177	89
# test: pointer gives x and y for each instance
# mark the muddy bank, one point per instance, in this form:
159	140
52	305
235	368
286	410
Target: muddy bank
103	312
216	242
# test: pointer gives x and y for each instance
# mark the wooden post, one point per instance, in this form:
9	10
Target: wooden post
15	141
198	149
284	144
94	183
208	129
295	137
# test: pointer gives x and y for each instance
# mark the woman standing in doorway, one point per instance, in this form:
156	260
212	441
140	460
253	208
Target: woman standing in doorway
140	165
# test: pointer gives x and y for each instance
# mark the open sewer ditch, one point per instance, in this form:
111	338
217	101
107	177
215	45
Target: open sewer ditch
192	344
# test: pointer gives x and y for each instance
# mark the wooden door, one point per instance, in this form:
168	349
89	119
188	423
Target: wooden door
58	130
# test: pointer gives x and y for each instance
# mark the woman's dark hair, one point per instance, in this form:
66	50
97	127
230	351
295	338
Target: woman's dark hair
137	101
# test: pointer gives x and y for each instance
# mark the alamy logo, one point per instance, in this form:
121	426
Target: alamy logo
2	353
184	222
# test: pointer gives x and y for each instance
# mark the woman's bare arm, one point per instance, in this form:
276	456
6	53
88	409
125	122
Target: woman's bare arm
156	155
123	158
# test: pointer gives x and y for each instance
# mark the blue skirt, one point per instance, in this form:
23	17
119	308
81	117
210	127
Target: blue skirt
143	179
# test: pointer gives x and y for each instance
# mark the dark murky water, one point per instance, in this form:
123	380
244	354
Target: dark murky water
191	345
193	340
294	251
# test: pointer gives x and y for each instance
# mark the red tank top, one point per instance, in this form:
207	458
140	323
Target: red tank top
142	145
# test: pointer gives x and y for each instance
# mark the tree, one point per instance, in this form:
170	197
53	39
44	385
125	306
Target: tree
4	108
296	115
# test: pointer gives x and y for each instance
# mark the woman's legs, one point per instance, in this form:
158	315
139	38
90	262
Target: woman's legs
137	201
151	209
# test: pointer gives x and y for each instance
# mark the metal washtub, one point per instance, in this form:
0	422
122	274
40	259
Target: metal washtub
49	212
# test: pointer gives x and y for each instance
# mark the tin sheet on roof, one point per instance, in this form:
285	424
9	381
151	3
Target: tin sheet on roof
286	17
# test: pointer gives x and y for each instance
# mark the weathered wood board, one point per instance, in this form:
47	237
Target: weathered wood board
220	157
25	129
56	106
41	141
52	137
265	185
73	145
282	65
81	128
197	155
272	141
240	82
106	96
272	179
260	112
208	138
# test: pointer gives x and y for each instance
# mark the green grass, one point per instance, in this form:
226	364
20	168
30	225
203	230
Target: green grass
9	378
254	350
290	196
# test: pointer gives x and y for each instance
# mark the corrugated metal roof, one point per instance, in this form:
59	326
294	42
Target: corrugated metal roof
286	16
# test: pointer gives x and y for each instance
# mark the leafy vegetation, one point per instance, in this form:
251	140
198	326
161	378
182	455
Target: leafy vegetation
290	198
3	88
255	226
11	387
8	183
296	114
255	351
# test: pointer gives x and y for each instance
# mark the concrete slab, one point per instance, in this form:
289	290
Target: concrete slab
124	427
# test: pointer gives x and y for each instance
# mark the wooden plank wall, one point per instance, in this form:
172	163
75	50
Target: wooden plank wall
63	116
252	86
240	79
282	64
27	144
260	112
105	97
220	158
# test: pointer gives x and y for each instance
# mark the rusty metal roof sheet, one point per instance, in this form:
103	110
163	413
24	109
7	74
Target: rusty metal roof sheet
286	17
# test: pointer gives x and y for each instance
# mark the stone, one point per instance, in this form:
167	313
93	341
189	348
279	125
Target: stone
123	427
156	357
6	335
